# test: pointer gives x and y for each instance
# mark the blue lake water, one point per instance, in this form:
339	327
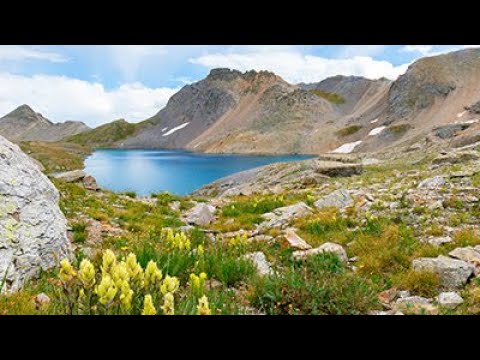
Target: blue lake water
178	172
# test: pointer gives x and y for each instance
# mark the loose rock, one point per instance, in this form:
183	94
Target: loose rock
453	273
327	247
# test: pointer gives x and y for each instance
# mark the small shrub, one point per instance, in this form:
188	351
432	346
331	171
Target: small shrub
80	233
421	283
332	97
131	194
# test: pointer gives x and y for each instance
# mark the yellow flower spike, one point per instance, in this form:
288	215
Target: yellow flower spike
67	272
108	260
168	304
126	295
203	308
87	273
106	290
148	308
120	274
169	285
203	276
135	271
153	275
200	250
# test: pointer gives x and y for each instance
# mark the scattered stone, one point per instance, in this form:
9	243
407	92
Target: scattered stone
327	247
468	254
449	300
389	312
261	238
370	161
453	273
432	183
353	259
415	305
260	261
388	296
90	183
456	157
282	216
339	199
175	205
201	215
70	176
403	294
186	228
212	284
33	230
438	241
229	221
450	130
292	240
41	300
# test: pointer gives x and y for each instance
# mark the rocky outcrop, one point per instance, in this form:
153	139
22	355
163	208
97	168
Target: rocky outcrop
338	199
200	214
24	124
260	262
33	230
70	176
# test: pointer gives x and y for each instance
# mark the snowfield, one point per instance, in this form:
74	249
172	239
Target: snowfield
376	131
179	127
346	148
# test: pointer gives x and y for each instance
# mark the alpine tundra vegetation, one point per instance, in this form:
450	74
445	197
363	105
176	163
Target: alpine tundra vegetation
383	220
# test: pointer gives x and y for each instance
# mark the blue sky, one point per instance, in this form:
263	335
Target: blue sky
97	84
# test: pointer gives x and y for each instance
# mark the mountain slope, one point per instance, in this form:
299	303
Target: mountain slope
108	135
24	124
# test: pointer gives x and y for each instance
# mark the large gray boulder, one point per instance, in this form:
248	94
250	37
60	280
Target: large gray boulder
201	215
453	273
339	199
33	230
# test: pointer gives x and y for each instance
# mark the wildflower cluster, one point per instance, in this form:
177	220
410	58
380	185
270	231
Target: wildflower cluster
119	287
239	240
197	284
176	241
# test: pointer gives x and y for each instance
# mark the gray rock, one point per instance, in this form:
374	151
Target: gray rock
41	300
403	294
449	300
432	183
468	254
438	241
175	205
70	176
453	273
200	214
450	130
415	305
33	230
282	216
260	261
327	247
339	199
90	183
295	241
456	157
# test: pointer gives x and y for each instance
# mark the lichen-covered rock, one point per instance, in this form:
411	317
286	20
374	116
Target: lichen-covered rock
200	214
324	248
260	261
339	199
449	300
33	230
453	273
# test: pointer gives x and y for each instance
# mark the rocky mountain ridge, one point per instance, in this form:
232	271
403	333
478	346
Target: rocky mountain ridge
24	124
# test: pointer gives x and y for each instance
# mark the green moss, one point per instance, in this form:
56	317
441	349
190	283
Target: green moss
349	130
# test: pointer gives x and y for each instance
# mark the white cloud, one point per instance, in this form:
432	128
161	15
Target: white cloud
20	52
360	50
61	98
422	49
130	58
296	67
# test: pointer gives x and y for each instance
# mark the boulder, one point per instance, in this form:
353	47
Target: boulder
432	183
33	230
280	217
449	300
438	241
294	241
339	199
70	176
415	305
90	183
201	215
260	261
468	254
388	296
327	247
453	273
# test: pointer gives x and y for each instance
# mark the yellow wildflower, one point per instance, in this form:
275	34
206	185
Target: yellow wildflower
169	285
200	250
67	272
197	283
153	275
106	290
135	271
87	273
124	248
168	304
109	259
120	274
148	308
203	308
126	295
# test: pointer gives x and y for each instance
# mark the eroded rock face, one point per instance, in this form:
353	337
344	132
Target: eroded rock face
339	199
33	230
